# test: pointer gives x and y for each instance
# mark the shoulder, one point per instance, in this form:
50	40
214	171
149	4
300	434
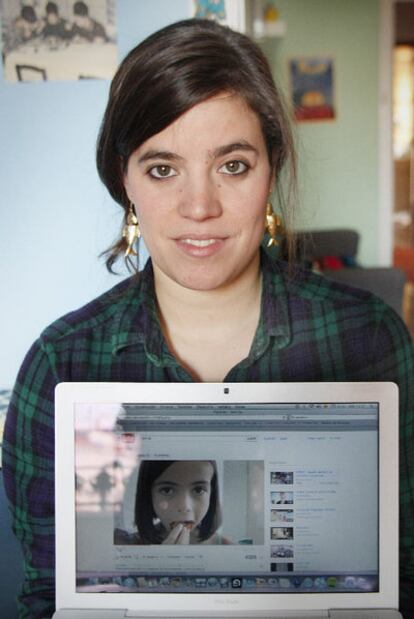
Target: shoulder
353	321
67	349
310	294
96	314
314	287
83	345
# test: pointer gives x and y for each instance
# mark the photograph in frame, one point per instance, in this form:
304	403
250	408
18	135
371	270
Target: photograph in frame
60	40
227	12
312	88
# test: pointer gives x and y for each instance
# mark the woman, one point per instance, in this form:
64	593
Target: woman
193	141
177	502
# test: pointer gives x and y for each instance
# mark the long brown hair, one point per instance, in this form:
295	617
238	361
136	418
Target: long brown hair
171	71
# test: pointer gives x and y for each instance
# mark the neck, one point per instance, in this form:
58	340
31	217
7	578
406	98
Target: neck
187	306
210	331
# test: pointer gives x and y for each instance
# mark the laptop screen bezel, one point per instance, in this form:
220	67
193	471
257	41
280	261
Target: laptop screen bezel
68	394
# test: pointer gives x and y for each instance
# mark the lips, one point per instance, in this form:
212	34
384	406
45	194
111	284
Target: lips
212	236
200	246
199	242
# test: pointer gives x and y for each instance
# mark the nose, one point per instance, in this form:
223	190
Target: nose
200	199
184	503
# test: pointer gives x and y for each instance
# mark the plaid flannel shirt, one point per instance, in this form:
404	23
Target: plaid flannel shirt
310	329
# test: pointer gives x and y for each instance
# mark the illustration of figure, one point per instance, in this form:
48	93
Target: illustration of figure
103	484
285	498
54	25
84	27
27	26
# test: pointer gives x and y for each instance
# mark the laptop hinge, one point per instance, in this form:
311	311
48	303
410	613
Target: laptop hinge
273	614
373	613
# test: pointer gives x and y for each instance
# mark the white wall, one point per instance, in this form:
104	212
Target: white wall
338	160
55	216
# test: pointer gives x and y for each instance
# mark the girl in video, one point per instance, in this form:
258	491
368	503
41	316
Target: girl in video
176	502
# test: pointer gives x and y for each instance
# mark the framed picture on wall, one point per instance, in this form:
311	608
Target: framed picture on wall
228	12
312	88
46	41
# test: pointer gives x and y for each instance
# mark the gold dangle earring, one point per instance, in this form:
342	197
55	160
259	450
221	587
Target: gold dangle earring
273	222
131	231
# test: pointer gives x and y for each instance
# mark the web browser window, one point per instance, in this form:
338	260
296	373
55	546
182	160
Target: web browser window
248	498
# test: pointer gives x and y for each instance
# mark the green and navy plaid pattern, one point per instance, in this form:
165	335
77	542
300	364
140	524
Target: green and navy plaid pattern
311	329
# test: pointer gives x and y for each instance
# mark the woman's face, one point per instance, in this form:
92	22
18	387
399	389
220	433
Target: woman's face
200	189
181	494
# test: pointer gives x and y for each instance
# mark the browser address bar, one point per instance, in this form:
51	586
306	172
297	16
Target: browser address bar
330	417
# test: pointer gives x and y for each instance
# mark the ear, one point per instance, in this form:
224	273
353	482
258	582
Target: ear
123	169
126	186
272	183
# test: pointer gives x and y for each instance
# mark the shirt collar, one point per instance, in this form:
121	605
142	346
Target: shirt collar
274	323
137	320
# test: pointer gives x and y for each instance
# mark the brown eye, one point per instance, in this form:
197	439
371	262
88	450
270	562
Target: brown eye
234	167
162	171
200	490
166	490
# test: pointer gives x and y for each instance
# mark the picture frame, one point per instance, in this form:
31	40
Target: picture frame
312	88
44	41
231	13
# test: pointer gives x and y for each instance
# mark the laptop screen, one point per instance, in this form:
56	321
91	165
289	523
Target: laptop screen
219	498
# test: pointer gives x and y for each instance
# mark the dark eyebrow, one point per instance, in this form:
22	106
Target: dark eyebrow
159	154
230	148
220	151
173	483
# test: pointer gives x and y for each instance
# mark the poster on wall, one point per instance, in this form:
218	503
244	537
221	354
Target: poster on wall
227	12
60	40
312	88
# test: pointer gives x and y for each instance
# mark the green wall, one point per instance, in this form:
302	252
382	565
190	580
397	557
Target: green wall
338	160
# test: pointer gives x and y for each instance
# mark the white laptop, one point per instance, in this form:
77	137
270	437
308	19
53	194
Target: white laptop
226	500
